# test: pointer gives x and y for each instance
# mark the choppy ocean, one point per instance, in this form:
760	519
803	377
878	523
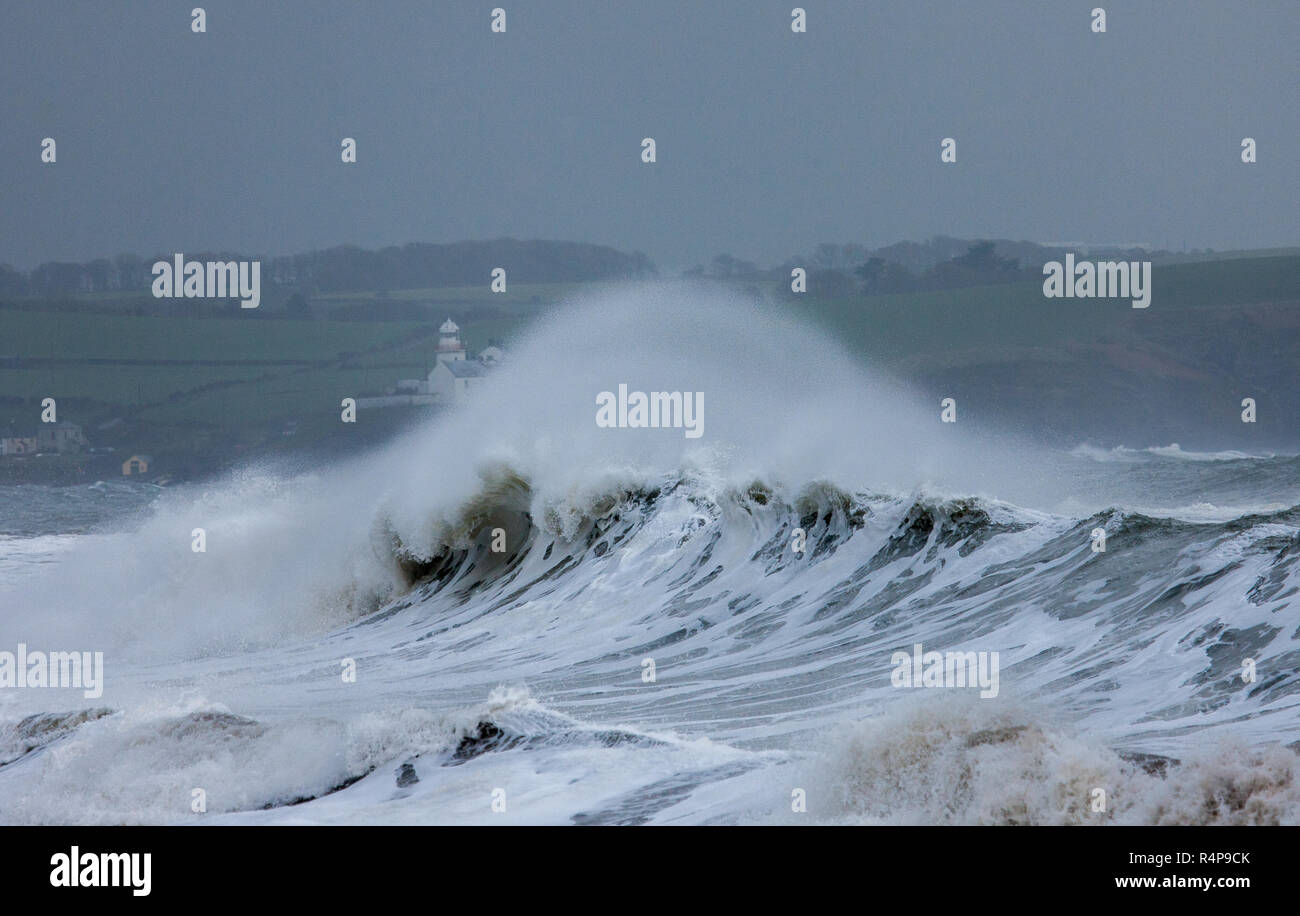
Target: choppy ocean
650	647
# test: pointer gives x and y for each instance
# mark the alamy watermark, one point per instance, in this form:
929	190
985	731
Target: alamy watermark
946	669
1099	280
84	670
103	869
655	410
182	279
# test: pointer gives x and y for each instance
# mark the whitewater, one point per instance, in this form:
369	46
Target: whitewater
649	647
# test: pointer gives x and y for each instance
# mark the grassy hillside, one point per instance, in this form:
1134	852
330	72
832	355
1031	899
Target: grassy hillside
930	324
1215	332
200	391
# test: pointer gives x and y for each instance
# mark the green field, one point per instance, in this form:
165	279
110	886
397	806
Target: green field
133	386
174	382
180	384
953	324
88	335
516	295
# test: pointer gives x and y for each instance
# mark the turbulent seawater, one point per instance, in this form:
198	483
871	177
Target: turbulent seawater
520	675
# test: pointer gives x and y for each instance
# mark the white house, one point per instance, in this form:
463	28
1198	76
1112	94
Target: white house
455	379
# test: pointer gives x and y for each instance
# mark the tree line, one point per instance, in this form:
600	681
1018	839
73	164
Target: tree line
942	262
347	268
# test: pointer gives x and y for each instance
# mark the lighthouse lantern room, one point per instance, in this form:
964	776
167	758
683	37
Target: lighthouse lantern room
450	347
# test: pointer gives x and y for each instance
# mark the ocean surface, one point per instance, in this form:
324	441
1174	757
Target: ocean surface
649	647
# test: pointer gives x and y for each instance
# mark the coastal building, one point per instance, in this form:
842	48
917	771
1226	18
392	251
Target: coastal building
453	376
450	349
136	464
451	381
49	438
59	437
18	445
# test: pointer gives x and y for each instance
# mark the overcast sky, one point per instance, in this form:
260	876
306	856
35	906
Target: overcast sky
768	142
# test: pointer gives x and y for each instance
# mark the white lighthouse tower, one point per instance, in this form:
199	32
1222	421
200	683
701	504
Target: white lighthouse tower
453	376
450	348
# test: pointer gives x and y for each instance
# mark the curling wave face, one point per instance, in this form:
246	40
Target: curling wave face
636	551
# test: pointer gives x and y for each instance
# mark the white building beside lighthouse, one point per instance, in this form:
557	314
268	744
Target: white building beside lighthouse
453	376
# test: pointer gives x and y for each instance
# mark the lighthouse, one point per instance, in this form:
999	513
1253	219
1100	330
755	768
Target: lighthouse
453	375
451	381
450	348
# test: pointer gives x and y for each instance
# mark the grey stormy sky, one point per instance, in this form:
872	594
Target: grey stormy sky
768	142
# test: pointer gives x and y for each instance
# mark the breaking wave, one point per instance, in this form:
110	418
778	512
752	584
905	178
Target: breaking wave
672	630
